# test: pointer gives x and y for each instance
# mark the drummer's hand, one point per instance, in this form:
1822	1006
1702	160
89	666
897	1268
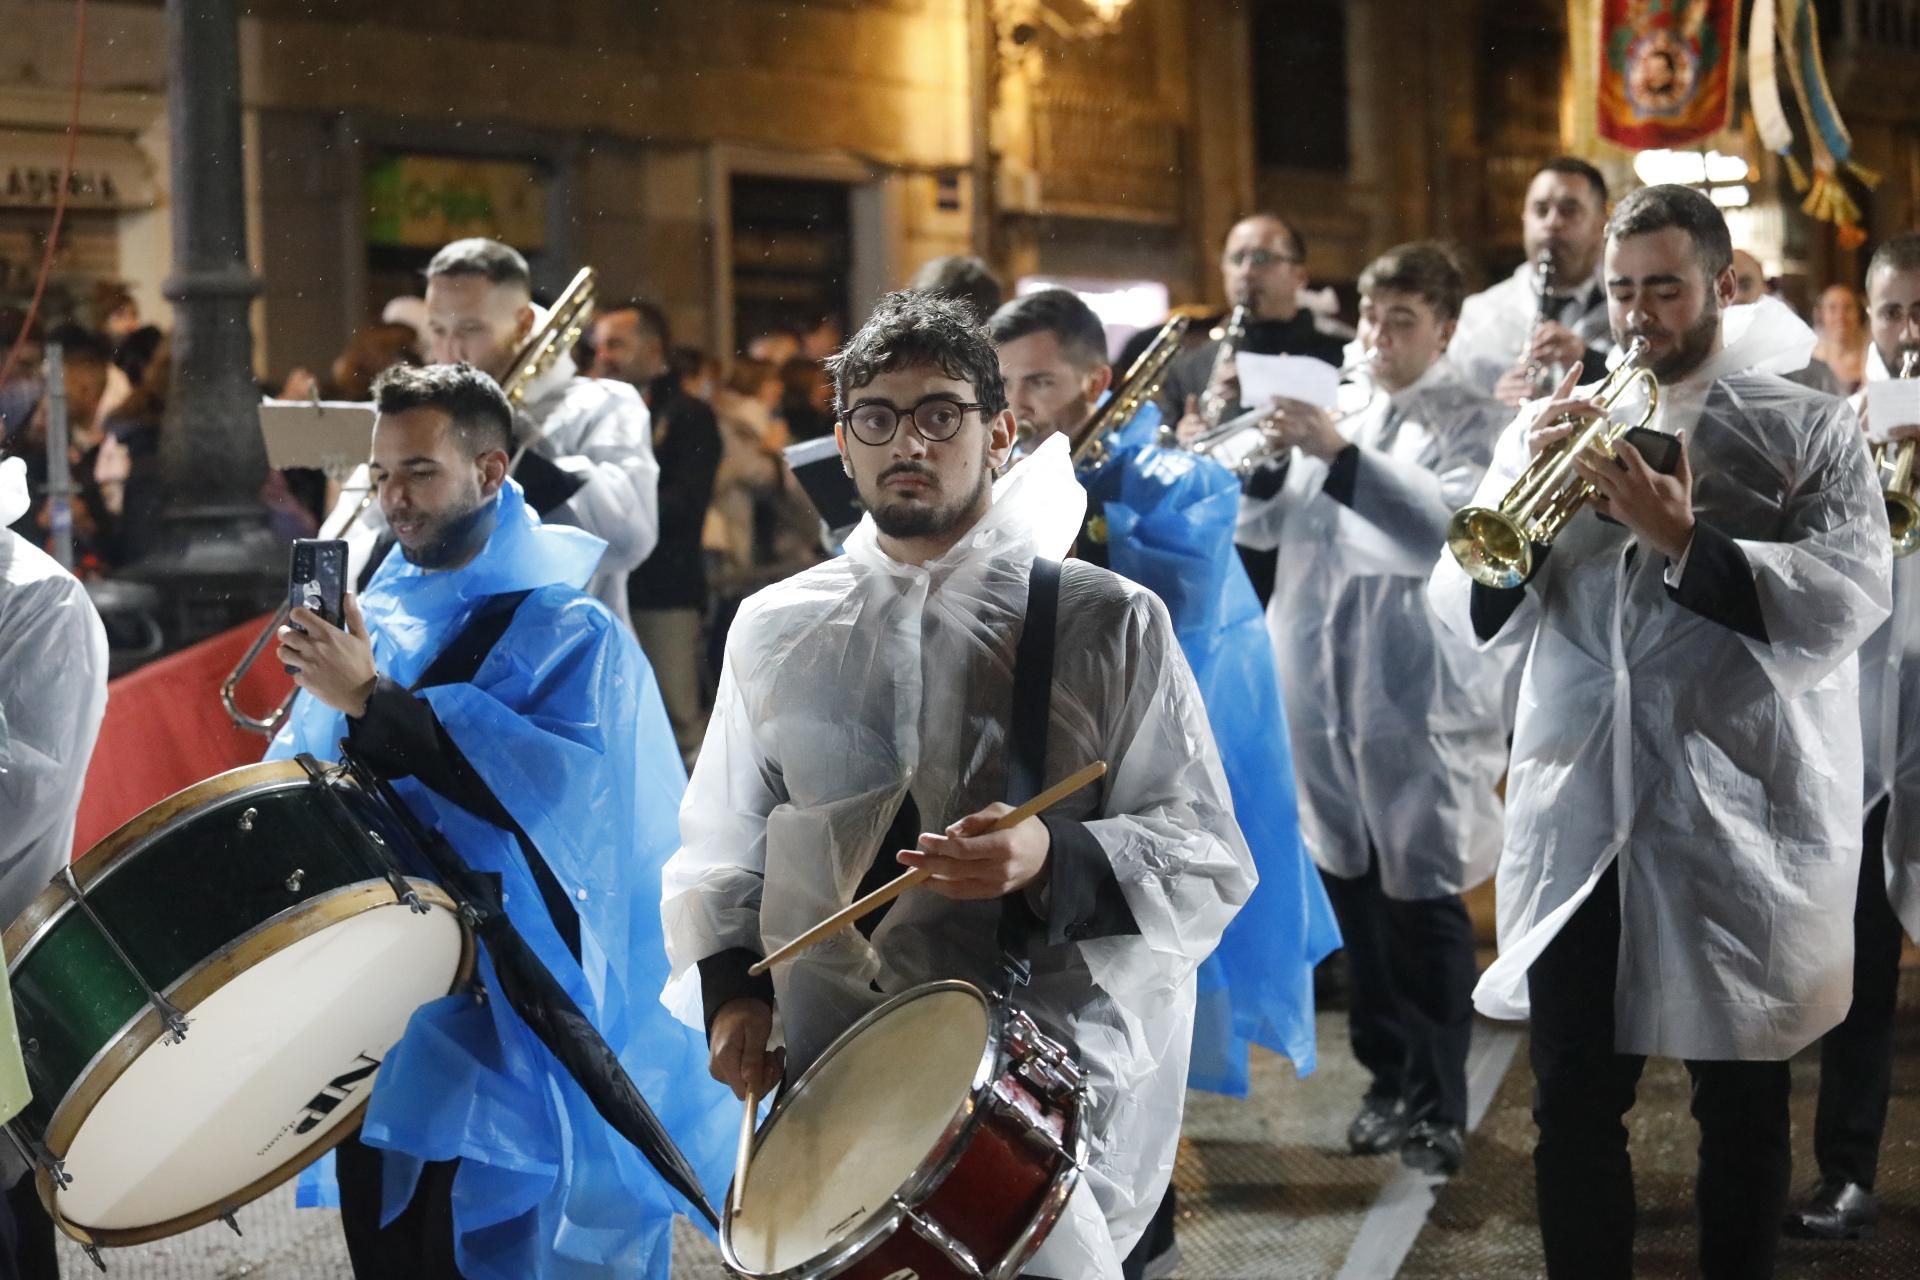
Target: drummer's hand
1295	424
335	666
1191	425
968	861
737	1047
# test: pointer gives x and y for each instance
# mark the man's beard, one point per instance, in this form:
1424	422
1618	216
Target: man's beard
455	537
1065	421
1691	348
902	519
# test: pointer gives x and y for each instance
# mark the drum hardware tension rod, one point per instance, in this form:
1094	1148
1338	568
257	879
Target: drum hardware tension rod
34	1152
176	1022
326	777
232	1226
93	1255
940	1238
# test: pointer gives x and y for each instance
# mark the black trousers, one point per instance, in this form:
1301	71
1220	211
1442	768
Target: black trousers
1856	1057
27	1250
417	1245
1583	1090
1411	1004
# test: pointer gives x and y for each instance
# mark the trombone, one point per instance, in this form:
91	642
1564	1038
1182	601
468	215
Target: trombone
1495	544
1894	461
551	339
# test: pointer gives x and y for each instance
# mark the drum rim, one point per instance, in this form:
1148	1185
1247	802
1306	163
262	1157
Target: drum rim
261	943
926	1177
133	836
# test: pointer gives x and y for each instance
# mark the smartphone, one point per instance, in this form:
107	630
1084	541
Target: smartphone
317	579
1661	450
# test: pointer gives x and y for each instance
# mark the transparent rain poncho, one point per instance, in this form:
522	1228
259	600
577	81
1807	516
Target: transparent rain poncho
1890	709
861	678
565	725
1398	733
53	695
1722	773
1496	325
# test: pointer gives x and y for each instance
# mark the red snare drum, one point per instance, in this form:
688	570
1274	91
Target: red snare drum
938	1139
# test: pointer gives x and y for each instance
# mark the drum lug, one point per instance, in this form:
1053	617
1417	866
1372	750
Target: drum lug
938	1236
247	819
93	1255
176	1022
232	1226
298	878
401	889
35	1153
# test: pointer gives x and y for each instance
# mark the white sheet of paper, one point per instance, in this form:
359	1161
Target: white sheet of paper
1301	378
333	435
1892	403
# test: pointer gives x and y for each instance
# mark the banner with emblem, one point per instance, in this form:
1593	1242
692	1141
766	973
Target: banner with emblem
1666	70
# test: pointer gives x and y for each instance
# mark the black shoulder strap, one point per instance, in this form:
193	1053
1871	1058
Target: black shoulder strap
460	661
1033	683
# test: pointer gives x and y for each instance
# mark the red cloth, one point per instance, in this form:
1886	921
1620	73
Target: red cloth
166	730
1666	71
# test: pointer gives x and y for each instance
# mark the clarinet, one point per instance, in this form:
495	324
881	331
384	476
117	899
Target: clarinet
1538	374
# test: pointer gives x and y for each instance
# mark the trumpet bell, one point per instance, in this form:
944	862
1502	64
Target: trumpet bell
1903	519
1491	546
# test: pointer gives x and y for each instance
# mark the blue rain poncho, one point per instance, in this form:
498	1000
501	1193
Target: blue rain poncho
565	725
1170	520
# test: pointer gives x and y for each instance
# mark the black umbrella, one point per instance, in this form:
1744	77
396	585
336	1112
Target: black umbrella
537	996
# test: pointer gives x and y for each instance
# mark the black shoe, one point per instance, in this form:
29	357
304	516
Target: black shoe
1380	1127
1435	1148
1839	1210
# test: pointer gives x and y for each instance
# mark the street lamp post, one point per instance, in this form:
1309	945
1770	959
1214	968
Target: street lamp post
215	560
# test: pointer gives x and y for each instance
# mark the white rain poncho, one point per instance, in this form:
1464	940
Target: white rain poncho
53	693
596	428
1890	711
1398	733
1496	324
1722	773
860	677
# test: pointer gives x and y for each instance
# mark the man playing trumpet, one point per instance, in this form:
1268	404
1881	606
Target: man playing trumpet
1681	836
1856	1057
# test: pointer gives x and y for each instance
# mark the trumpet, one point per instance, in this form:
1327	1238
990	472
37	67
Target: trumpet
551	339
1495	544
1894	461
1240	444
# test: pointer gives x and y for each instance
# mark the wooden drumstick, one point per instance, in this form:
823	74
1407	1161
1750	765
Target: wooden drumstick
744	1154
894	888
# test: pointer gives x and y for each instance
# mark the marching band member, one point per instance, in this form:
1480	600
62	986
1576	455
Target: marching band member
1682	834
1398	736
869	700
1165	519
1856	1057
53	696
1506	329
515	716
589	445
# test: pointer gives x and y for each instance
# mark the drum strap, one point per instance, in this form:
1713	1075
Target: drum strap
459	663
1027	759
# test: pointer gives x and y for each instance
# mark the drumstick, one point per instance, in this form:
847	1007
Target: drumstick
746	1150
894	888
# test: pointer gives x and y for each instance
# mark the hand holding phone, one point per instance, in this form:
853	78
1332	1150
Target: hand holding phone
317	580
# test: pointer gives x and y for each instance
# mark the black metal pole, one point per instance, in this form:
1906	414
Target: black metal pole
214	552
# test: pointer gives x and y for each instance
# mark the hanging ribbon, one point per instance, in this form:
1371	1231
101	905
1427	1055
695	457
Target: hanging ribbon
1797	28
1763	91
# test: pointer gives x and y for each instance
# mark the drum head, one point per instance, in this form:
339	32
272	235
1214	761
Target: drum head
273	1071
859	1125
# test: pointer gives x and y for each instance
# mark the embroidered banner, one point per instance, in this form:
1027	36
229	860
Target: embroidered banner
1666	70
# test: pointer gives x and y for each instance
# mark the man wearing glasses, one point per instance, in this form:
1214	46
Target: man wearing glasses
1263	267
877	712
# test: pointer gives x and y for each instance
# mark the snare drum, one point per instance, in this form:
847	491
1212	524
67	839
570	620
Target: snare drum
937	1139
205	997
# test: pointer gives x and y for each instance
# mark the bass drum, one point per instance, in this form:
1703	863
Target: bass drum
204	998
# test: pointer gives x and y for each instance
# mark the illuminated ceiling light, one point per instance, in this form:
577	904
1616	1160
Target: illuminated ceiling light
1733	197
1655	167
1724	168
1107	12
